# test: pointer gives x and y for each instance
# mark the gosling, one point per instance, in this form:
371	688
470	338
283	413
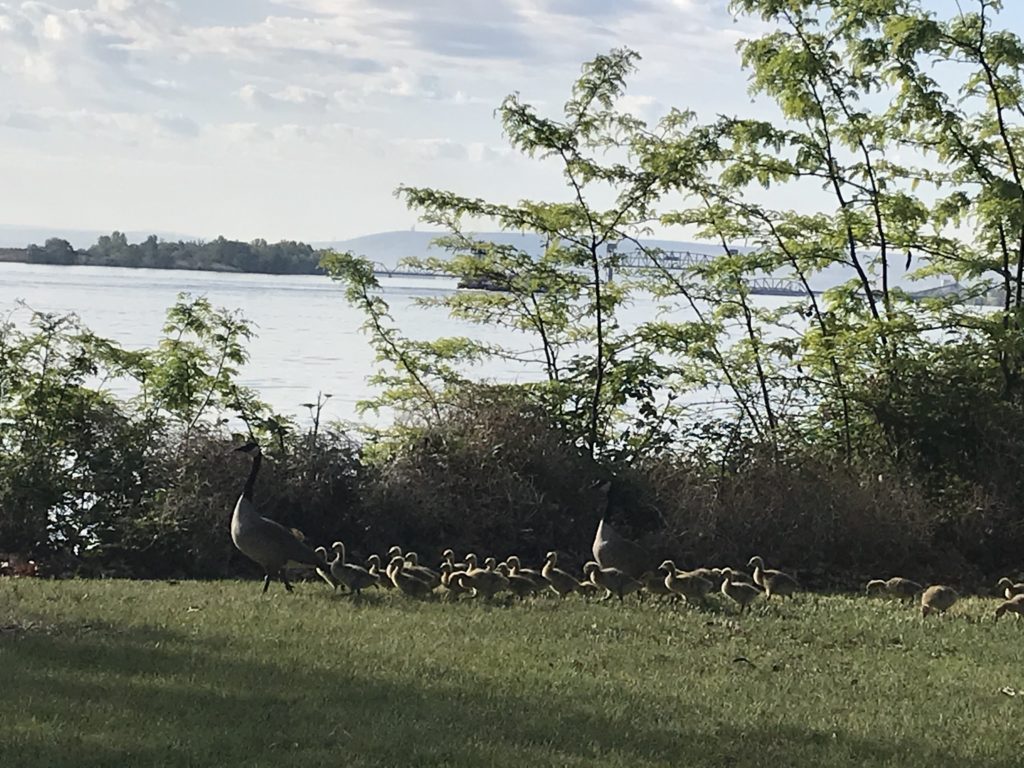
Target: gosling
407	583
450	583
690	585
1014	605
612	580
421	572
353	576
742	593
481	582
937	598
374	569
771	581
516	569
897	586
561	582
519	585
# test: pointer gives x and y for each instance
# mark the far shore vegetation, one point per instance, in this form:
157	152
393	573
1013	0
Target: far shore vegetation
219	255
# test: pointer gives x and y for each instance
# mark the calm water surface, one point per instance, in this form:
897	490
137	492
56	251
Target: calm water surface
308	340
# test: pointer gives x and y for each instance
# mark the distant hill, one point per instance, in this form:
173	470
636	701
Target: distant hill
389	248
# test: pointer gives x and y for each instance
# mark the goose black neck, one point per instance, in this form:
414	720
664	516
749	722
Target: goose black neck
256	461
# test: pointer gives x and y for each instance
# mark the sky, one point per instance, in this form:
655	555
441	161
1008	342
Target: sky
297	119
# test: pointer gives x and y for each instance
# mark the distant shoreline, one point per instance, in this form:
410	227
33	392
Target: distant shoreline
20	256
220	255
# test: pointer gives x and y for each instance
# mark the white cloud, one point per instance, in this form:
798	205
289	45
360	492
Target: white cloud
289	97
377	91
120	127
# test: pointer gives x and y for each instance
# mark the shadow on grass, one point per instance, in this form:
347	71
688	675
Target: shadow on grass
148	696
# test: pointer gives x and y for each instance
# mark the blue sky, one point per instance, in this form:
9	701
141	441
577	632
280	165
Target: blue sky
298	118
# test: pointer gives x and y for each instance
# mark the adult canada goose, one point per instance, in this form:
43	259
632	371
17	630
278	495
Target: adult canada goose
692	586
561	582
407	583
611	550
937	598
1014	605
1009	589
742	592
268	543
612	580
353	576
771	581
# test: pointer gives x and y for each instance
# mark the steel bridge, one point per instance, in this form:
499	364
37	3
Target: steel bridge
632	260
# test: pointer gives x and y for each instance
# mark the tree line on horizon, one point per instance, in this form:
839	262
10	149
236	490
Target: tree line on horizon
286	257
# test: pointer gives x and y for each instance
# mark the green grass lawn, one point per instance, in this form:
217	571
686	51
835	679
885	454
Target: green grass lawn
213	673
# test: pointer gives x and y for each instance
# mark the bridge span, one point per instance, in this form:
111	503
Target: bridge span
631	260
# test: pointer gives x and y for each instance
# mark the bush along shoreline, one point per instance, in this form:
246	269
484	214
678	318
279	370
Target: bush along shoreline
91	485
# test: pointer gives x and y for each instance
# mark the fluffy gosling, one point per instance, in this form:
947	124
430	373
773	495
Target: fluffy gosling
612	580
1014	605
771	581
742	593
937	599
561	582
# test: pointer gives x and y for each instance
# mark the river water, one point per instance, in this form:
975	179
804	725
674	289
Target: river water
308	337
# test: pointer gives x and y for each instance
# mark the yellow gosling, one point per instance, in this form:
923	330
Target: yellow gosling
448	556
453	586
561	582
938	598
407	583
614	581
354	577
905	589
373	566
771	581
518	585
654	584
413	567
876	587
516	569
1014	605
742	593
691	586
481	582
